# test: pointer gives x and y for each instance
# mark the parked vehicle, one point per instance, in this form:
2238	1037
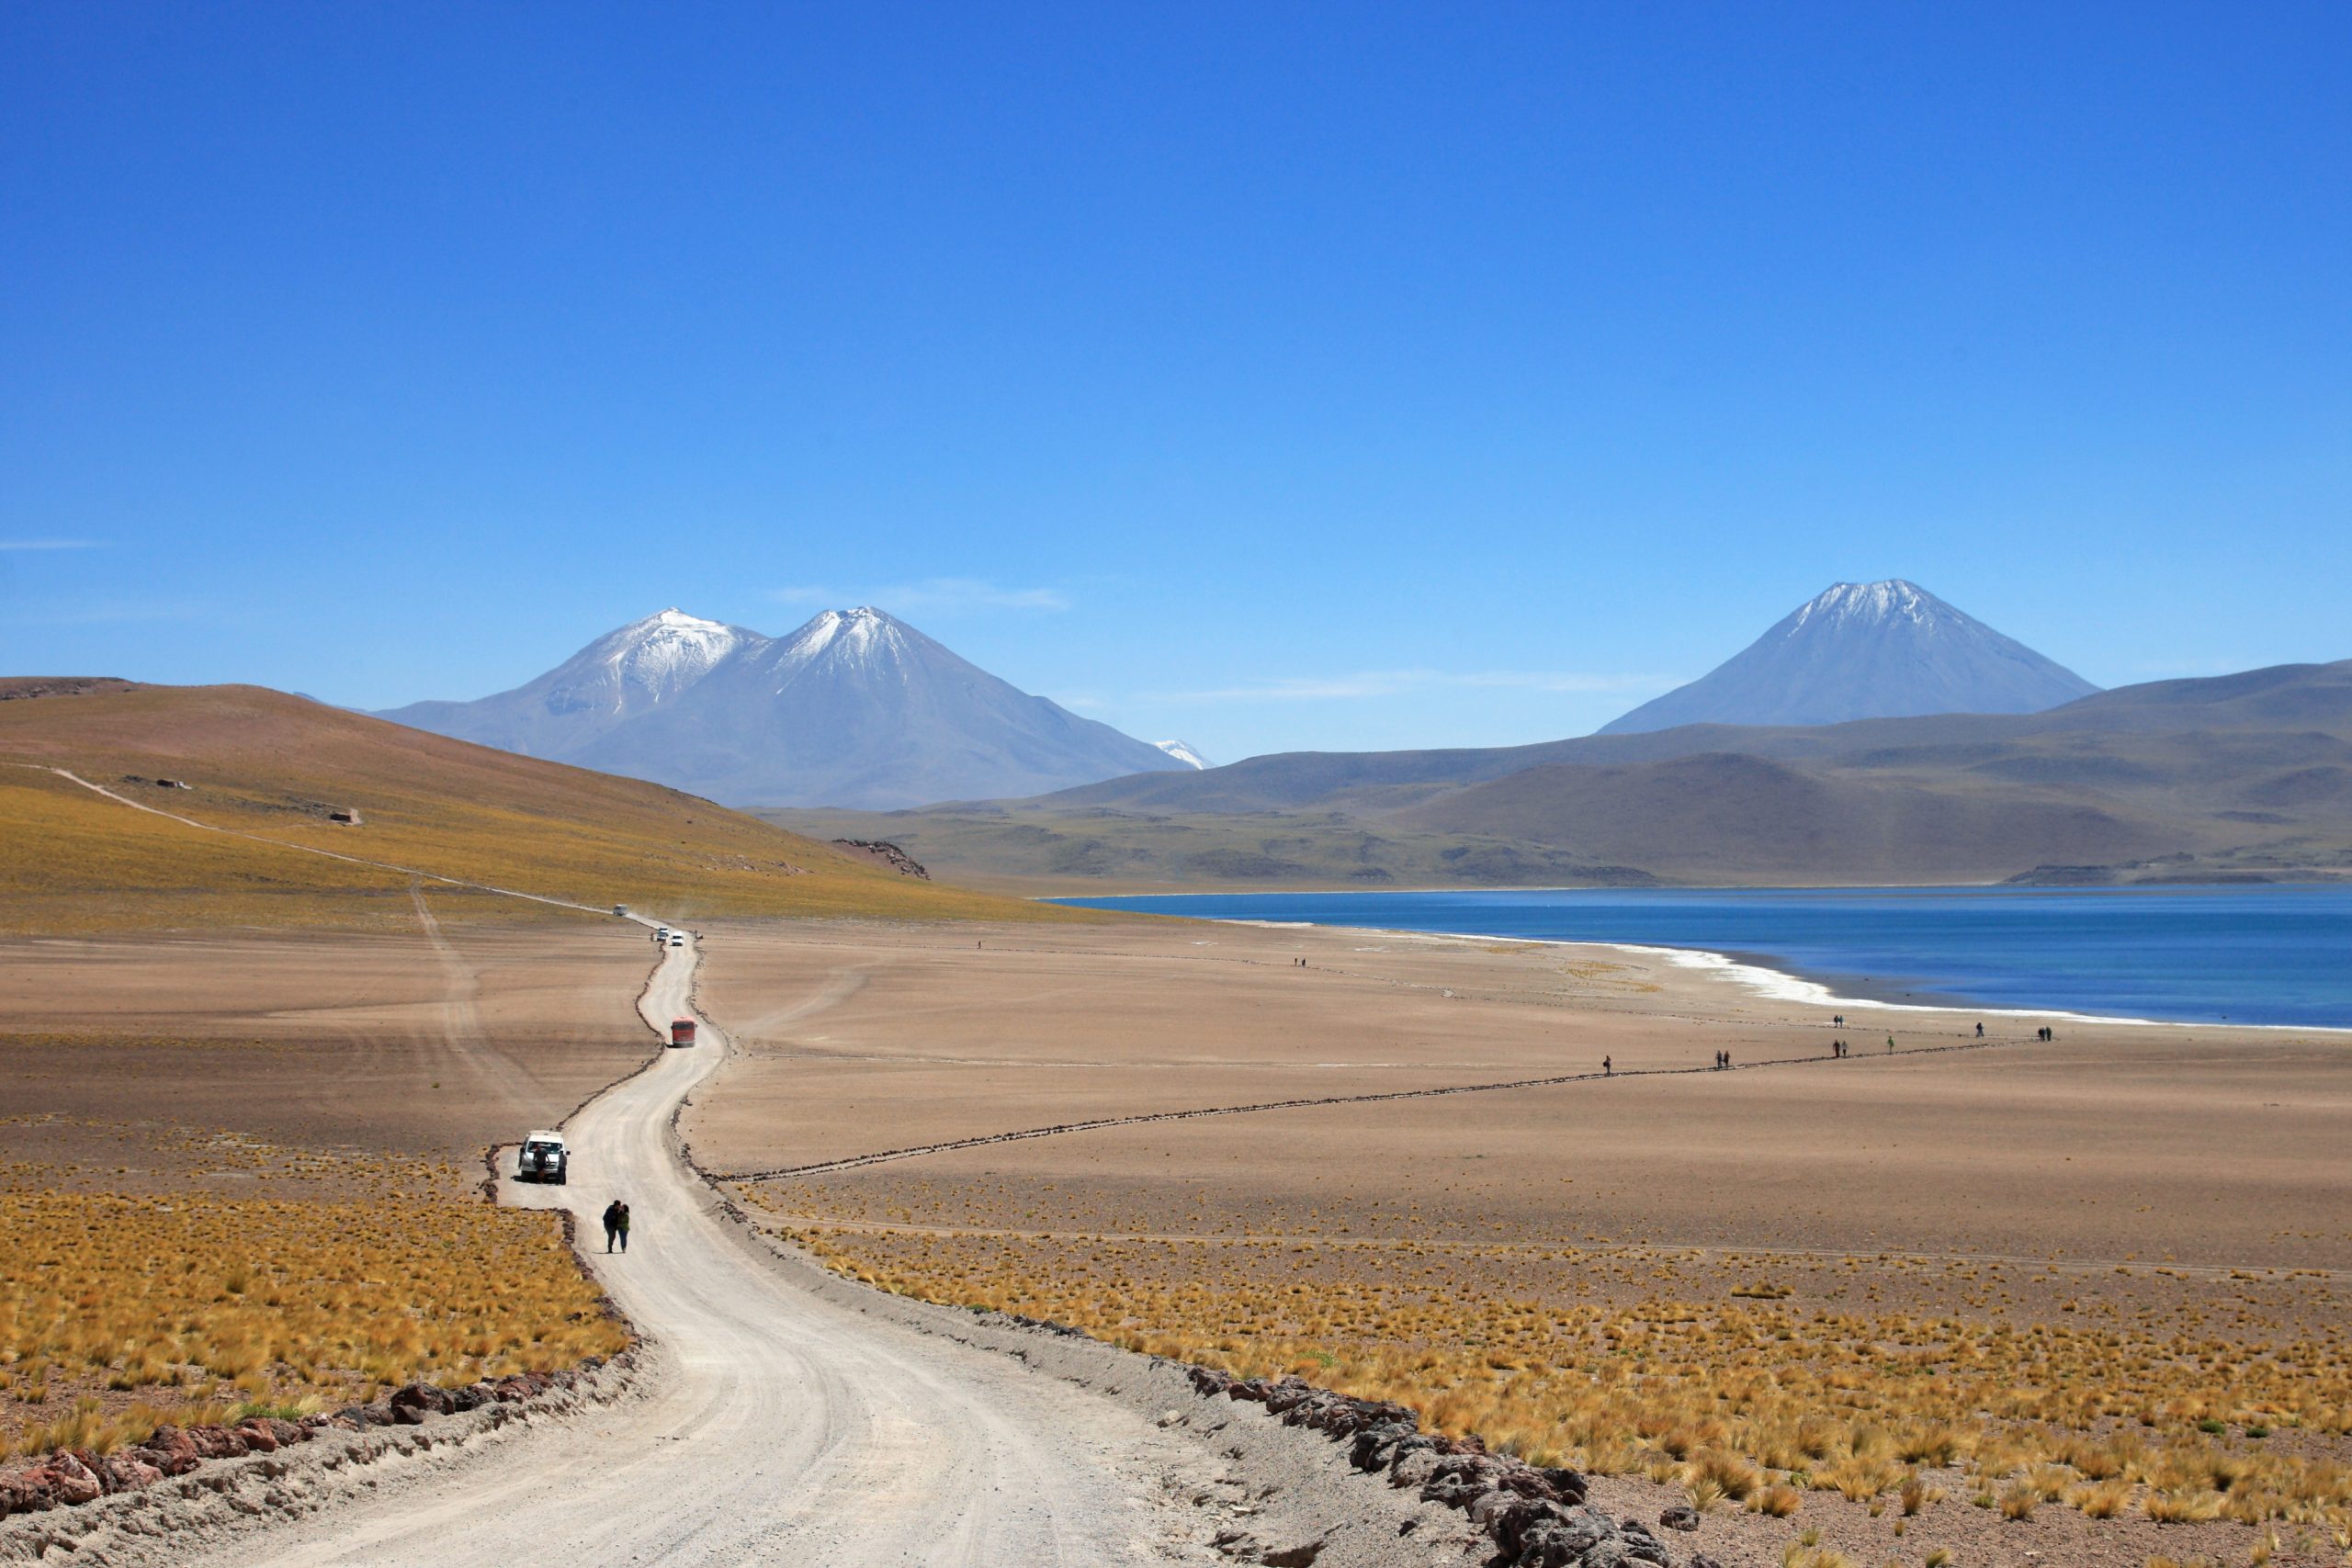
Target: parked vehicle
544	1158
621	909
677	939
681	1031
661	933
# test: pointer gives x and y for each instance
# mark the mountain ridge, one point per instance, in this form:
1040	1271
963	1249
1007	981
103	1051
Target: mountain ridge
2240	776
853	707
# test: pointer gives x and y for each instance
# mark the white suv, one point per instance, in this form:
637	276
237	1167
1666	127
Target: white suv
544	1158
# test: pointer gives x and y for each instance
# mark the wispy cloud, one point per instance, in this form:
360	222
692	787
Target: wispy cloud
931	596
1397	682
53	545
111	613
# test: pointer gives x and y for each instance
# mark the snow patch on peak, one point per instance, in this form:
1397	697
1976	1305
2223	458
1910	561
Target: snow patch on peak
863	635
1872	603
661	655
1183	753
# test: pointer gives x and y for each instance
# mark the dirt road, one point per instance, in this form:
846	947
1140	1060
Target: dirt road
780	1427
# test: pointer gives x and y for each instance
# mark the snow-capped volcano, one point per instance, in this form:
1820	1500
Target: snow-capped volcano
853	708
656	658
1884	650
1183	753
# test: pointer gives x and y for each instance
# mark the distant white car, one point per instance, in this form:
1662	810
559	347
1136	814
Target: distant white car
544	1158
677	939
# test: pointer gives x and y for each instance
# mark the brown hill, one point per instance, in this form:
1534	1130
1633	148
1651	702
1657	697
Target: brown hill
1723	816
273	769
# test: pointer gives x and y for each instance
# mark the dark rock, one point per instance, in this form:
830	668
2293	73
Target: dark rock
423	1397
1681	1516
1288	1394
1567	1485
1643	1546
1209	1381
1377	1446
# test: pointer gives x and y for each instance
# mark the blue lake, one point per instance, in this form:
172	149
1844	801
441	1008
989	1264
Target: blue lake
2272	956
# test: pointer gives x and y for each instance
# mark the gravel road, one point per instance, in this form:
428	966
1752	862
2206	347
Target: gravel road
778	1427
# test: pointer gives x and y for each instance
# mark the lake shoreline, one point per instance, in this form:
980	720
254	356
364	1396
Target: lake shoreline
1915	987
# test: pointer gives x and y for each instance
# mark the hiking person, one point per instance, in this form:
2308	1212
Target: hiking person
1980	1032
613	1222
1607	1068
622	1228
1890	1045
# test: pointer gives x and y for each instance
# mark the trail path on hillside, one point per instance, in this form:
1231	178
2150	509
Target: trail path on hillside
781	1428
121	799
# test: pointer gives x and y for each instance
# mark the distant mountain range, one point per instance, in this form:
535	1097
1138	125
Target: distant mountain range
2242	776
855	708
1887	650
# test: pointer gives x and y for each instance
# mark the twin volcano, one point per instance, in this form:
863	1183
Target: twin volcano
1887	650
855	708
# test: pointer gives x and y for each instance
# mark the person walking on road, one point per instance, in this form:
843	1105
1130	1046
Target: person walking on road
624	1225
614	1220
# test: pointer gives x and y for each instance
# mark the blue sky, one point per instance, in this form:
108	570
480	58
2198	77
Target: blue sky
1338	376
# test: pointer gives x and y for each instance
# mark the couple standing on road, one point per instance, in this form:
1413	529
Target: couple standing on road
616	1224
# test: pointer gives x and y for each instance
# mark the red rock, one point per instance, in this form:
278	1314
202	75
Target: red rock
126	1471
69	1482
218	1442
258	1438
21	1493
171	1450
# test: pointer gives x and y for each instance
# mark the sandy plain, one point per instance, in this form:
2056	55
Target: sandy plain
432	1043
2154	1211
206	1140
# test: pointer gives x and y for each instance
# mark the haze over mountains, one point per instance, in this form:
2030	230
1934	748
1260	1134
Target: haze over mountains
855	708
1884	650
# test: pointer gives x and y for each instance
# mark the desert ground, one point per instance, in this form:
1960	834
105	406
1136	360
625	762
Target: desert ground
207	1141
2100	1275
2004	1301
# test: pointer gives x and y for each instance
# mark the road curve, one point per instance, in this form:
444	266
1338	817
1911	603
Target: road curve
779	1427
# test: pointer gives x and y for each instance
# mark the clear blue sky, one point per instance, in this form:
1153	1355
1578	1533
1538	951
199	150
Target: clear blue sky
1338	376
